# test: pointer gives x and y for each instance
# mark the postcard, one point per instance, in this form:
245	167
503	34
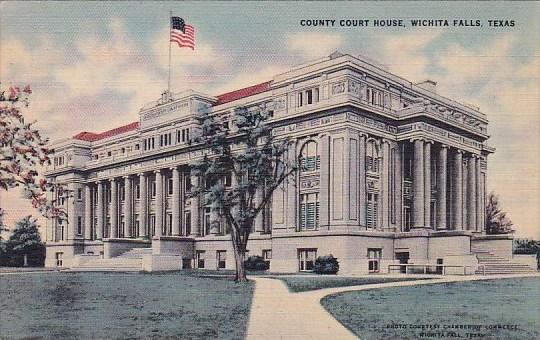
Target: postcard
269	170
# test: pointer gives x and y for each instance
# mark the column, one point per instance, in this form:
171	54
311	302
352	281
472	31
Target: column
71	232
457	206
418	184
471	193
114	209
259	219
384	195
128	207
88	212
362	179
143	206
479	197
292	204
427	185
159	203
324	193
441	188
398	188
195	202
99	211
176	202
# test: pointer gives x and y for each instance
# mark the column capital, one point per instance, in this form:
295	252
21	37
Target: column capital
141	174
112	179
363	134
158	171
414	139
126	176
174	167
444	146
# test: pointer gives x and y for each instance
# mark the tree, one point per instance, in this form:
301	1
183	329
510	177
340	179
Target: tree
496	220
256	162
22	152
25	241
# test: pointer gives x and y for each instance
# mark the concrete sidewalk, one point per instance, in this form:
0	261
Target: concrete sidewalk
277	313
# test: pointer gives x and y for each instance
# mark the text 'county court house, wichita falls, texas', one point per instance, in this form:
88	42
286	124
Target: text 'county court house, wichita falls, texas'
391	173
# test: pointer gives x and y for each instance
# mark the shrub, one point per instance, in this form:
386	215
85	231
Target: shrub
326	265
256	263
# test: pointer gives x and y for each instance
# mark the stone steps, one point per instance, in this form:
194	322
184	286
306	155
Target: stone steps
136	253
114	264
494	264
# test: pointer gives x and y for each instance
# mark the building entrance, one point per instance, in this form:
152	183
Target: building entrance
403	258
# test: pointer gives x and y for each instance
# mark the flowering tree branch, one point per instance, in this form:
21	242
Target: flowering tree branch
23	152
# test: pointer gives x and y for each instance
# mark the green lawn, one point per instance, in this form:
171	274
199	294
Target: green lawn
377	314
122	306
311	282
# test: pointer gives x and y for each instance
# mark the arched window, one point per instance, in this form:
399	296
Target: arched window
309	157
372	157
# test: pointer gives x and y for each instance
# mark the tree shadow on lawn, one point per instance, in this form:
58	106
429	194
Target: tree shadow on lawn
124	306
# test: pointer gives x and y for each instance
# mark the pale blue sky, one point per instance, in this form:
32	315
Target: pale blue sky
94	64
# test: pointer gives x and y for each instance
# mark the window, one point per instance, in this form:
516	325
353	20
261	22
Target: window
207	221
122	192
306	259
407	215
267	256
59	259
137	191
187	183
170	186
187	223
79	194
228	180
309	211
310	159
122	230
221	258
109	153
137	147
137	226
153	224
79	225
169	225
123	150
309	96
372	210
374	257
200	258
153	189
372	157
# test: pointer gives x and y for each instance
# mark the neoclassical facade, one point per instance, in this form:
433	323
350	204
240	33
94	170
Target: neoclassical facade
390	172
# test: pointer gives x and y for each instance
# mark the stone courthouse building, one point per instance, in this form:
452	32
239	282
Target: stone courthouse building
391	172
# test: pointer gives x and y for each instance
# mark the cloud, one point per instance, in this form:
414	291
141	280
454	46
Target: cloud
406	54
313	45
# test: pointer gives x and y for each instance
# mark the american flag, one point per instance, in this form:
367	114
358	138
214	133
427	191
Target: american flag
182	34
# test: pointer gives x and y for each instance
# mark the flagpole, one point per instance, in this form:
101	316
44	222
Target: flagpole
170	31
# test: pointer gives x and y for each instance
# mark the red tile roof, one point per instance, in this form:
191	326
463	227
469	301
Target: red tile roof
242	93
222	99
92	137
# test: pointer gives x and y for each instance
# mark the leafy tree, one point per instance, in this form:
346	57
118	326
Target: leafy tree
22	152
529	247
257	163
25	240
496	220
